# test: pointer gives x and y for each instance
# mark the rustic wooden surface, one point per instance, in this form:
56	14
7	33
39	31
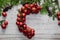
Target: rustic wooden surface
45	27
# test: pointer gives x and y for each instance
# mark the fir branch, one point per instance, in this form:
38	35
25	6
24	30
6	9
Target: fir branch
49	11
1	22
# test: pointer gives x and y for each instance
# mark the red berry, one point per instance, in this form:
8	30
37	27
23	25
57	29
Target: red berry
26	5
28	12
29	37
25	32
59	23
4	14
23	8
6	22
32	32
23	14
24	26
18	19
36	11
25	11
33	9
35	5
29	34
58	13
23	19
21	23
39	8
3	26
28	29
31	5
18	15
17	23
20	29
58	17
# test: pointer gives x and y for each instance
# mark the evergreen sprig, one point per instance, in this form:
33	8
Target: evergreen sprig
46	3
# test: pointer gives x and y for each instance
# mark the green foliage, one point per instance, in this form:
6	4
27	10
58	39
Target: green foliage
4	3
49	3
43	11
1	21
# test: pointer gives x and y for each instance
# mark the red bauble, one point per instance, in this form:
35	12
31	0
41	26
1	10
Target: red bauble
25	11
19	15
33	9
58	17
26	5
17	23
25	26
23	14
59	23
6	22
4	14
22	9
35	5
3	26
29	37
32	32
20	29
28	12
25	32
31	5
28	30
21	23
58	13
39	8
37	11
23	20
18	19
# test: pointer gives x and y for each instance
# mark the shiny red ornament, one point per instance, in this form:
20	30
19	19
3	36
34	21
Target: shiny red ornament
6	22
4	14
3	26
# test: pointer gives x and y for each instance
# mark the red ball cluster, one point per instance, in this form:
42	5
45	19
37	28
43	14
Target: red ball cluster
29	32
21	19
58	18
5	23
30	8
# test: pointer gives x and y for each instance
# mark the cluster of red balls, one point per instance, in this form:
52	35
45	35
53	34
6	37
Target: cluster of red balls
21	19
5	23
58	17
30	8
